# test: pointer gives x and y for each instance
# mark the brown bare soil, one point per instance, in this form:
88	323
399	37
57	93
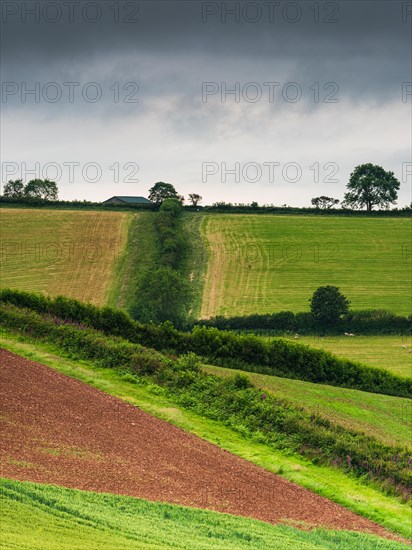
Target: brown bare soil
59	430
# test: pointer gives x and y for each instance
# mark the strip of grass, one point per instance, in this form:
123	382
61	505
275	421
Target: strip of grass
269	263
196	261
47	517
387	418
140	253
326	481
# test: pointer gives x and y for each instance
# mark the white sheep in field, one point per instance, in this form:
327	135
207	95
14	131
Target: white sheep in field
296	336
347	334
404	347
350	334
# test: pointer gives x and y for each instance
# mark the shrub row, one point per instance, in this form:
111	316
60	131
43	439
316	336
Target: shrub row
248	352
163	293
234	401
359	322
228	207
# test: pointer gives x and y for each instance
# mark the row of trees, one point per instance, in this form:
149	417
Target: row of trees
369	186
35	189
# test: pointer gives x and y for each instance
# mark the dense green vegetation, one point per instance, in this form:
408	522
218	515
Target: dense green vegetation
268	263
234	401
277	356
330	482
164	293
47	517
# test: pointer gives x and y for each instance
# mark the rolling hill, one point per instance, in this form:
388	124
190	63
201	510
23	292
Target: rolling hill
268	263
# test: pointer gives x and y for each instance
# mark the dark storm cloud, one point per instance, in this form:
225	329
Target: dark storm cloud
365	45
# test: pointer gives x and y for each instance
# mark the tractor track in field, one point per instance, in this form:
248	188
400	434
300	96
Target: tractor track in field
61	431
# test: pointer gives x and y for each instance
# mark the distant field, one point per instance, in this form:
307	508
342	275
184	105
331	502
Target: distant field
385	352
74	253
387	418
48	517
267	263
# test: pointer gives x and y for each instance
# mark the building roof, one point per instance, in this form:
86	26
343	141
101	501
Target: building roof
131	200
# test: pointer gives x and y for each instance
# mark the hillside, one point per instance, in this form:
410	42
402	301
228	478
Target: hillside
69	252
266	263
79	437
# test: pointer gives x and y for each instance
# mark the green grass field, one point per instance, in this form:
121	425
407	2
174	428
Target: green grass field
387	418
46	517
329	482
268	263
385	352
69	252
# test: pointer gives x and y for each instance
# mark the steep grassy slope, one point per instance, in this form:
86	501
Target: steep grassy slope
47	517
266	263
69	252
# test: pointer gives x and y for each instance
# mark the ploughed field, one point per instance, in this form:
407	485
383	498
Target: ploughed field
59	430
69	252
268	263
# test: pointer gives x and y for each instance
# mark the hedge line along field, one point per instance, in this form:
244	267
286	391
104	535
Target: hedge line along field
387	352
73	253
54	518
269	263
384	417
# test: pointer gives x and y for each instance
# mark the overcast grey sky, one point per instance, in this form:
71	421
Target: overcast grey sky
239	101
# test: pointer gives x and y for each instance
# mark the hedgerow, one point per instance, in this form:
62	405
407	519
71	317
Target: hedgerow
359	322
247	352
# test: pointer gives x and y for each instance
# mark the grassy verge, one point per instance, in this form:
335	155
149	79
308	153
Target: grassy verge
196	261
387	418
47	517
138	256
326	481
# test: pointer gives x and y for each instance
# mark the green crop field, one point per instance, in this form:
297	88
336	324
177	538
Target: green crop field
74	253
386	352
47	517
329	482
387	418
269	263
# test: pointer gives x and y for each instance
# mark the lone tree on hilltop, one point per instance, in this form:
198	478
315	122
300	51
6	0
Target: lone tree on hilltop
324	202
14	189
327	305
161	191
370	185
195	199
